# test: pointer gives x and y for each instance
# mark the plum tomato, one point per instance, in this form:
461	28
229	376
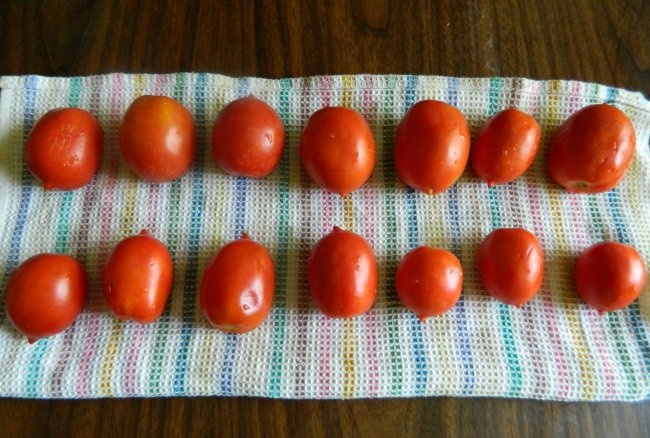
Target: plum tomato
248	138
138	278
511	265
431	146
505	146
429	281
158	138
64	148
592	149
238	286
342	274
337	149
609	276
46	294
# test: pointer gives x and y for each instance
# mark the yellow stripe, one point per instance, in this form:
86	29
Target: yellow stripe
348	86
348	358
126	229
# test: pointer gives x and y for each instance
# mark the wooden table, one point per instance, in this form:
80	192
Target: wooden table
603	41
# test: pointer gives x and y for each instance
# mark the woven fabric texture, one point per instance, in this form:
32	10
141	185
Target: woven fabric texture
553	347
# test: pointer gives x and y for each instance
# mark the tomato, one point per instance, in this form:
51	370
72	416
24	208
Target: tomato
609	276
238	285
337	149
64	148
248	138
431	146
505	147
592	150
158	138
138	278
511	265
342	274
429	281
46	294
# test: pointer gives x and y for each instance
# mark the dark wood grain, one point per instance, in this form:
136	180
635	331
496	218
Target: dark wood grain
604	41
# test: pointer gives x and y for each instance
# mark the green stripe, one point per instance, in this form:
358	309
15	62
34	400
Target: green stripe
508	338
396	368
62	234
626	362
171	241
282	285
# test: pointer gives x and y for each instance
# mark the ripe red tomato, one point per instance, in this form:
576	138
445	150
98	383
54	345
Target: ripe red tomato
609	276
429	281
511	265
592	150
342	273
337	149
248	138
64	148
46	294
505	147
431	146
238	285
158	138
137	278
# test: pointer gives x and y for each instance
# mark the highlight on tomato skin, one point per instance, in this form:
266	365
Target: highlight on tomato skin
237	286
592	149
46	294
137	279
337	149
248	138
511	265
64	148
505	146
342	274
429	281
609	276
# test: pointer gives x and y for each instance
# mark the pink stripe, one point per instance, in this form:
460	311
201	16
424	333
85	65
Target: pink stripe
92	346
132	359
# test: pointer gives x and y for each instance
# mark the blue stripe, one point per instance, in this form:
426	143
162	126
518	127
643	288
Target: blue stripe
227	364
34	368
612	95
419	352
467	361
636	321
452	93
195	220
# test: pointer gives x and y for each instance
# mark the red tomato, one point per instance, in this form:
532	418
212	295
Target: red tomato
431	146
609	276
592	150
511	265
46	294
238	286
158	138
248	138
429	281
337	149
137	278
64	148
505	147
342	273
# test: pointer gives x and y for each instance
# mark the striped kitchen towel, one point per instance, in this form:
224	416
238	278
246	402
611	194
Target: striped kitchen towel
553	347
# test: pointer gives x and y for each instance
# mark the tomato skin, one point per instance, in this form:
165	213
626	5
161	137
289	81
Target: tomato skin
46	294
64	148
429	281
609	276
238	286
342	273
337	149
158	138
511	265
248	138
506	146
592	149
431	146
138	278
